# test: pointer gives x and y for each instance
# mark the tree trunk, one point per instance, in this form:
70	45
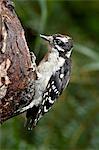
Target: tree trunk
16	68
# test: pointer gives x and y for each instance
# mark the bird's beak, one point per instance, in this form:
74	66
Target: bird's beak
47	38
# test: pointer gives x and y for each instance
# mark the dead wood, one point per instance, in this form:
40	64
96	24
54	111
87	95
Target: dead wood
16	70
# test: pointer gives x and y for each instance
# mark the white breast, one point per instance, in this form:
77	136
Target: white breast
45	71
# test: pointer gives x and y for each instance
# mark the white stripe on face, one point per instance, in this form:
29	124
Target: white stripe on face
59	48
64	39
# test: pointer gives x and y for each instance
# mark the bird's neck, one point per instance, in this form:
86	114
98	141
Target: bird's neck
62	53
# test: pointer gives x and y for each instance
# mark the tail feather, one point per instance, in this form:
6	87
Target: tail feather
31	115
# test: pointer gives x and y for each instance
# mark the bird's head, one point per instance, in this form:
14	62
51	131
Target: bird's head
63	44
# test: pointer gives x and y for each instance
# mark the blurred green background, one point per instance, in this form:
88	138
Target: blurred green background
73	123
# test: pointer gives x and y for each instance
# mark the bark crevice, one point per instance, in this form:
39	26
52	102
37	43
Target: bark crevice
16	73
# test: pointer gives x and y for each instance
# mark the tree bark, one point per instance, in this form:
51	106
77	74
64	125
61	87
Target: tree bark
16	69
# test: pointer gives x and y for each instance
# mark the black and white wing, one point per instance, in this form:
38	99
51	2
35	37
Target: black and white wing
55	86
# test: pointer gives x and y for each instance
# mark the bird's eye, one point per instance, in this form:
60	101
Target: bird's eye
59	42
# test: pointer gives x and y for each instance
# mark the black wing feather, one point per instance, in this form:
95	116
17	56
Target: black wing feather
52	92
60	84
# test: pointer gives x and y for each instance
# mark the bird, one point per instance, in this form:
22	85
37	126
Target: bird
53	75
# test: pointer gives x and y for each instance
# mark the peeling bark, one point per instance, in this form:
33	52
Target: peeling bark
17	72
